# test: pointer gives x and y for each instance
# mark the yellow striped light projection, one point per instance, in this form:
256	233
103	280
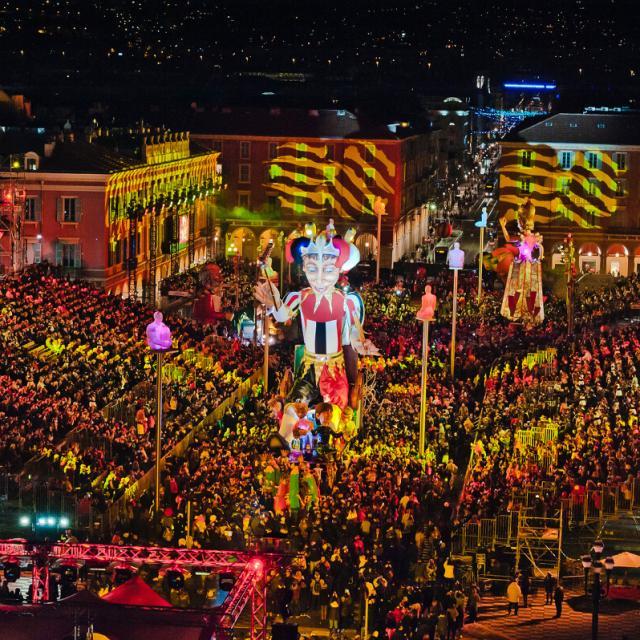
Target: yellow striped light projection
586	194
309	181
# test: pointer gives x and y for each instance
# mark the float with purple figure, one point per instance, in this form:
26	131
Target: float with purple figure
522	301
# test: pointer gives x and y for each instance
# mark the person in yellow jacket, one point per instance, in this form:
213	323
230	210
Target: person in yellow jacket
514	594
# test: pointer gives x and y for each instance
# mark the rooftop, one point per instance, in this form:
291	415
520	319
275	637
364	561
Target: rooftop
101	152
580	128
279	122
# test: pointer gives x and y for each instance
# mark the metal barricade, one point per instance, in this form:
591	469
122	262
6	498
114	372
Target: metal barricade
609	501
470	536
504	529
487	536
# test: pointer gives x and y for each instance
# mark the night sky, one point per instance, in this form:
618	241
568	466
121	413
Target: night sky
320	35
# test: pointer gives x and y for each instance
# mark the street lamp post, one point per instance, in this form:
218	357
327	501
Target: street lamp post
482	225
570	272
159	341
455	260
425	315
379	206
593	560
282	248
265	337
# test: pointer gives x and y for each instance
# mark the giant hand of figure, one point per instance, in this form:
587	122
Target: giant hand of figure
267	294
364	347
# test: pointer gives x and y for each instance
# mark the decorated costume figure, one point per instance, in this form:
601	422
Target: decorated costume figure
331	321
207	307
522	299
158	334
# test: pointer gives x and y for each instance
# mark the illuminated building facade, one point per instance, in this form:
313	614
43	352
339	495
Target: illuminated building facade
120	209
284	167
582	174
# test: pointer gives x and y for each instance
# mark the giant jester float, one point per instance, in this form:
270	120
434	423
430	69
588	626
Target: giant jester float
326	373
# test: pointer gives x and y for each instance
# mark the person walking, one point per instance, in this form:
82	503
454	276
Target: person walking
558	598
525	587
334	613
549	584
473	602
513	596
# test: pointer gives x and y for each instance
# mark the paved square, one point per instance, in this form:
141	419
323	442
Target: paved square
537	621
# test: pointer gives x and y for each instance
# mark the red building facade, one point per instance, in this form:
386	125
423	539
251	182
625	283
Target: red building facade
285	167
123	219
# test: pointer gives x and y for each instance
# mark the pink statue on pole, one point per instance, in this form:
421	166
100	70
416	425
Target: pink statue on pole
158	334
428	308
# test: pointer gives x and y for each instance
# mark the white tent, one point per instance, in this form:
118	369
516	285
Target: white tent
626	560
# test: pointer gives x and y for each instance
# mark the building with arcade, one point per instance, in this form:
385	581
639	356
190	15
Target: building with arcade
285	166
120	208
581	171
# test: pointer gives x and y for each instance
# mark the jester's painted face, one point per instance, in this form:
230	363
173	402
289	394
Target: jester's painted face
321	271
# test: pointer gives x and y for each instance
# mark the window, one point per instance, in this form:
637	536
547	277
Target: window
329	175
273	203
566	159
369	177
331	152
34	252
67	254
594	160
367	204
621	188
245	150
243	200
620	160
564	186
369	152
68	209
300	175
298	203
525	185
244	173
273	150
31	164
275	171
526	159
301	150
593	187
32	209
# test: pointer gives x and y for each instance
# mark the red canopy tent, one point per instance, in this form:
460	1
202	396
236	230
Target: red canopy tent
136	593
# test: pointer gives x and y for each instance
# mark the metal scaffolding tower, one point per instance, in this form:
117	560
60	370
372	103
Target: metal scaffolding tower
134	213
250	571
539	540
12	204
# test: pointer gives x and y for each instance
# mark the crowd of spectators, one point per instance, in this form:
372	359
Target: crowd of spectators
73	350
590	395
374	524
368	522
